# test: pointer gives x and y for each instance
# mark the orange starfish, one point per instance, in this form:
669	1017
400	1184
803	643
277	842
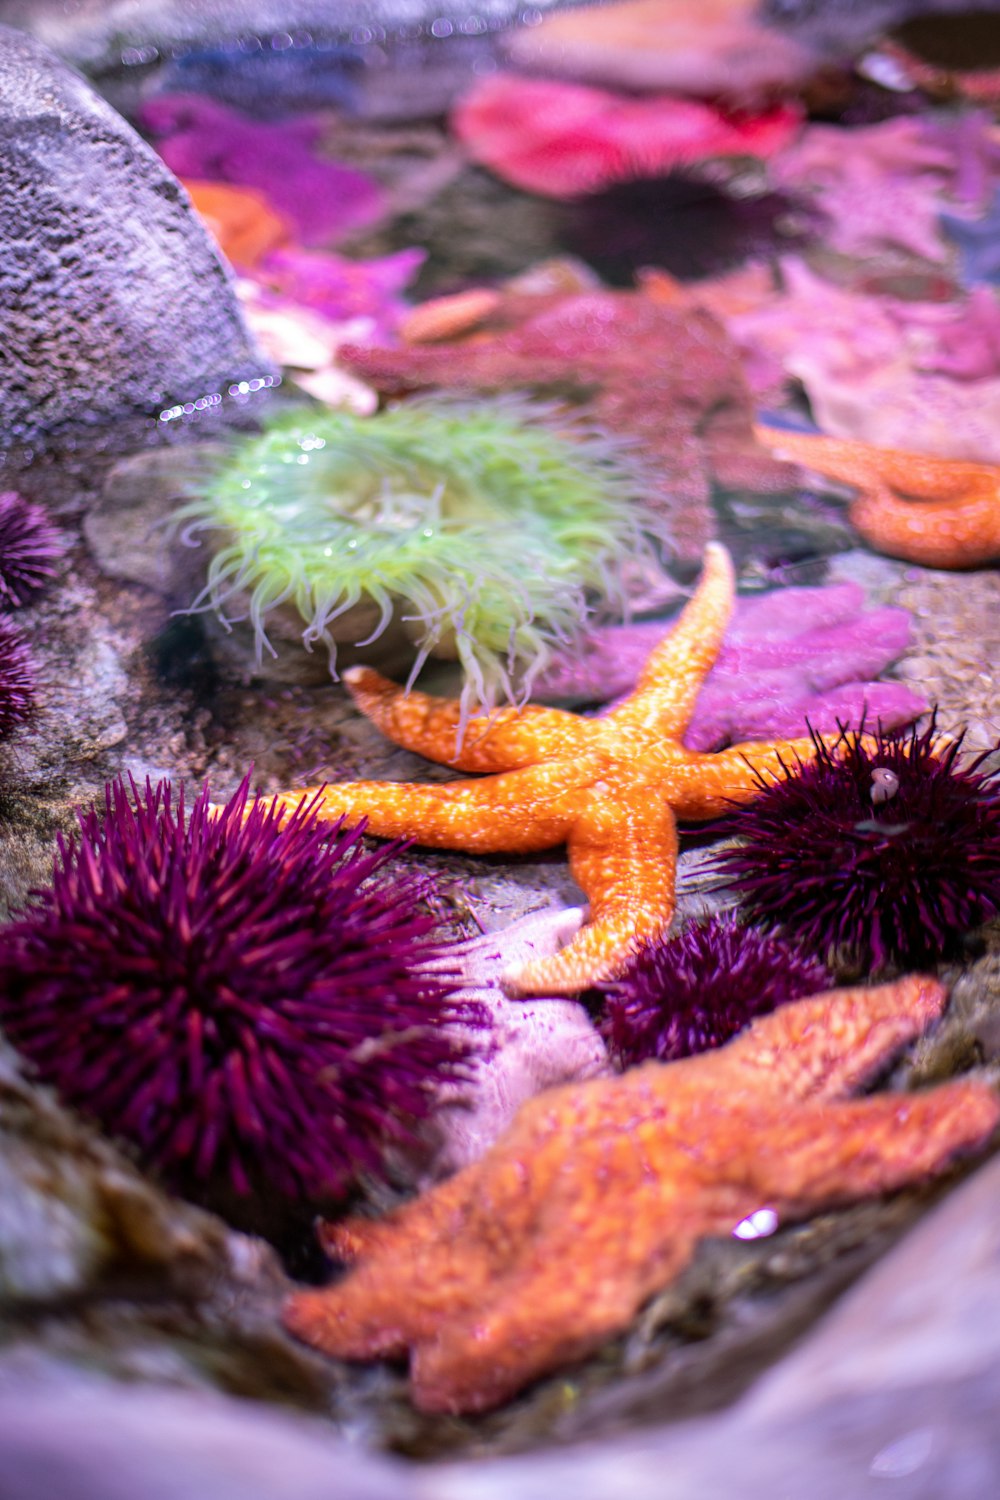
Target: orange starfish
941	512
240	219
610	788
599	1192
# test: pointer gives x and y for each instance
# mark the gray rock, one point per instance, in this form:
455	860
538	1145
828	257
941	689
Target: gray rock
113	298
88	1442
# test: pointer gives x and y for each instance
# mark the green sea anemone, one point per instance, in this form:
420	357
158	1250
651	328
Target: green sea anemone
491	527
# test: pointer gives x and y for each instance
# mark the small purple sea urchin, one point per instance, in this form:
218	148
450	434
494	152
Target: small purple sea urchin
883	850
258	1008
692	992
17	678
29	547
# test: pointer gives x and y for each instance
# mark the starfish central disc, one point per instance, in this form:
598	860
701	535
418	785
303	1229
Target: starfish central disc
611	789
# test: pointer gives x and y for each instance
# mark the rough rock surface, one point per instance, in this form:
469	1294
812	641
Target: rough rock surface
100	1265
112	296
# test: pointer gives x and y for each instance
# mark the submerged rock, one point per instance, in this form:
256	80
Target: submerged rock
113	298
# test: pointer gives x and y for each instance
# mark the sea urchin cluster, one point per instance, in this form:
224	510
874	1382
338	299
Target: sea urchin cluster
487	525
885	849
691	992
256	1007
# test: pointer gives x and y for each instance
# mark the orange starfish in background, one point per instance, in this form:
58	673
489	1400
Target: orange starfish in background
941	512
598	1194
610	788
240	220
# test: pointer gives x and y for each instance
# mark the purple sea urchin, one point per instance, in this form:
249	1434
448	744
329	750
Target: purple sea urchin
884	850
17	678
691	992
255	1007
29	547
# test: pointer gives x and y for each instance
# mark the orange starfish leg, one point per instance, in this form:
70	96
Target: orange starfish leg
502	740
623	855
951	534
484	817
598	1194
955	522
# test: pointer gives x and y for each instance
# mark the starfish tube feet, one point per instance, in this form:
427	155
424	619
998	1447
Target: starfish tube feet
594	1200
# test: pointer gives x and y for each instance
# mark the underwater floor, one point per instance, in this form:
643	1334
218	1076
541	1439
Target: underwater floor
499	738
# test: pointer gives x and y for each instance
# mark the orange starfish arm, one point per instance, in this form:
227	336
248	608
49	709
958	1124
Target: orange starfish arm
664	697
504	740
623	855
708	785
918	475
940	512
597	1195
834	1043
880	1144
949	534
482	817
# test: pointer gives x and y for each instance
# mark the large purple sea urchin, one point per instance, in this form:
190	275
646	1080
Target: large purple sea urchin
693	991
883	850
256	1007
29	547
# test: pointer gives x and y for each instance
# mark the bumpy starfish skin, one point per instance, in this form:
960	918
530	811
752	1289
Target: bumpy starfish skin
610	788
598	1194
940	512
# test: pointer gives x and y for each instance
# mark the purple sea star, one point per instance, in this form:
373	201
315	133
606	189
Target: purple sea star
966	337
795	657
536	1043
858	356
877	186
202	139
361	297
973	141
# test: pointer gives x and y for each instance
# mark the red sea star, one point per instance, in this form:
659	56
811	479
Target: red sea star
940	512
666	376
611	788
597	1196
562	140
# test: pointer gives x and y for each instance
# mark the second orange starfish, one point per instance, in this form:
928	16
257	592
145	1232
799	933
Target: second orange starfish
940	512
610	788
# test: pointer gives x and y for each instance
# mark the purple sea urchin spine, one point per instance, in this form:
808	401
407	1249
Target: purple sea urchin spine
234	996
17	678
29	548
693	991
871	879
